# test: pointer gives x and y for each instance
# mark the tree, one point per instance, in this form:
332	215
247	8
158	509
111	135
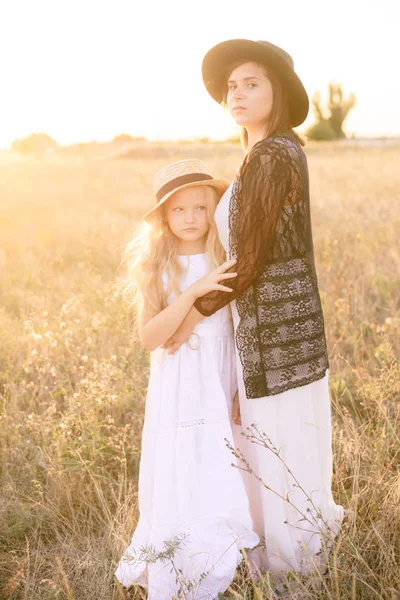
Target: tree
321	132
338	108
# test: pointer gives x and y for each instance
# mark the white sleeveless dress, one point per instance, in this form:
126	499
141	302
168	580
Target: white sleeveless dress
298	422
189	494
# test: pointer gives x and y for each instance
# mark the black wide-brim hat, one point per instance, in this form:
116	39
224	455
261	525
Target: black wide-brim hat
218	60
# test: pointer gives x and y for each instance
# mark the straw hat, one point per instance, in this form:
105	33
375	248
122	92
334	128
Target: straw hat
180	175
217	61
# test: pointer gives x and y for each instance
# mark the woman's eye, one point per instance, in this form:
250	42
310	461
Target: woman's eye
231	87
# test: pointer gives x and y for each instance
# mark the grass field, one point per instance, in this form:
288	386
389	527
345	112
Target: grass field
72	385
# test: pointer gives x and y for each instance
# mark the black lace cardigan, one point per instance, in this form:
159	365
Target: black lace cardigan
280	336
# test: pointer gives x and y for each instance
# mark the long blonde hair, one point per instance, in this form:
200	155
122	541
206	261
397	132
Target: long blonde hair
152	251
280	116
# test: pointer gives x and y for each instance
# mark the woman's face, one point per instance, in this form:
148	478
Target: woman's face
250	95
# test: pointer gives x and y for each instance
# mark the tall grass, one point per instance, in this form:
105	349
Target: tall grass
72	385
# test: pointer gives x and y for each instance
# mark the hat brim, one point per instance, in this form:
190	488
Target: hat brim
217	61
220	185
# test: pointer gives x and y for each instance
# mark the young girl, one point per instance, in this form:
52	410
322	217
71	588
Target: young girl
194	513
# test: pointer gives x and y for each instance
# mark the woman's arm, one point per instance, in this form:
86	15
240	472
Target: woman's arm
236	416
270	179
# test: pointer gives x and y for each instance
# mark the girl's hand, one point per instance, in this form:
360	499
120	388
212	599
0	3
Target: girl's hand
173	347
175	342
210	282
236	417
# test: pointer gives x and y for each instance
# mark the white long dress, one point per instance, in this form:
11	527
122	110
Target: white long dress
189	494
298	423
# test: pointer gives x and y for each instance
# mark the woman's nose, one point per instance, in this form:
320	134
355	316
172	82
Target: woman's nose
238	94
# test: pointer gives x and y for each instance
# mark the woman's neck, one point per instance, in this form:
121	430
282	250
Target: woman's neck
255	135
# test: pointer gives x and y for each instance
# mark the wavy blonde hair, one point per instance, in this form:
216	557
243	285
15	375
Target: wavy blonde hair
152	251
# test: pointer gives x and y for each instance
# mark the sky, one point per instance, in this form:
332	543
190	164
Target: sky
82	70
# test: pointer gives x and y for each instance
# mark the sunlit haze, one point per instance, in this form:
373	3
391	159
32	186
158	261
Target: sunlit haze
83	70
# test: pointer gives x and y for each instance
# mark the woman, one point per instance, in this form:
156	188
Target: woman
264	221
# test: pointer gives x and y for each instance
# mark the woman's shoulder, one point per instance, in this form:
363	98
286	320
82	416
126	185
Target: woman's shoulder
279	156
278	153
284	143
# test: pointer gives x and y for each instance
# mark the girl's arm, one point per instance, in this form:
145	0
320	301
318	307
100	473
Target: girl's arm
155	331
185	329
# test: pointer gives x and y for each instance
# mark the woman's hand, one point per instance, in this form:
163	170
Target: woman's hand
236	417
210	282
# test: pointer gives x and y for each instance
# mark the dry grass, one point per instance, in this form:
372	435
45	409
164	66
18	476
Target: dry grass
72	386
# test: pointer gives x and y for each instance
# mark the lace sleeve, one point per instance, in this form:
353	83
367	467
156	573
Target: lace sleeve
254	212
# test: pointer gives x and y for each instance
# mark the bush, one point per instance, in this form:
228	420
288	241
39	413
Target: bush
321	132
36	142
125	138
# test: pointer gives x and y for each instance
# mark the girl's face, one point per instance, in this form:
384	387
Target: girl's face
250	95
187	216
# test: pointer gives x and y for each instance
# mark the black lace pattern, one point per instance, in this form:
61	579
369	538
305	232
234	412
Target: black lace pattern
281	336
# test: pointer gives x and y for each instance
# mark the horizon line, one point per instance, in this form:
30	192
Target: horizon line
202	139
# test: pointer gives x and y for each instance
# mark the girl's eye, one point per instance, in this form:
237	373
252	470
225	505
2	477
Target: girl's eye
231	87
177	209
201	208
251	84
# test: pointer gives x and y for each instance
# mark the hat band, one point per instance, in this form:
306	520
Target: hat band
179	181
